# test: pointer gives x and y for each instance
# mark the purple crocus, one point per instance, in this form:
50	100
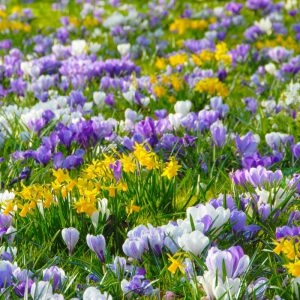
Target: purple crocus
70	237
56	275
218	132
97	244
134	247
233	261
5	273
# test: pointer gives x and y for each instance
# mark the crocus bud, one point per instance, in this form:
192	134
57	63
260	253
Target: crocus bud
70	237
97	244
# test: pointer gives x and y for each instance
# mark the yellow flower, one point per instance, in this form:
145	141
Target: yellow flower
61	175
293	268
160	63
222	53
128	164
175	264
85	206
159	91
178	59
146	158
171	168
212	86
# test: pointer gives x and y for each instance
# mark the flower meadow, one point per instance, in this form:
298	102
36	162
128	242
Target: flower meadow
150	149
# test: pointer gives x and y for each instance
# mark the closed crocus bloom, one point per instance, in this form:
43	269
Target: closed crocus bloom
91	293
232	261
5	273
194	242
134	247
218	132
70	237
56	275
183	107
97	244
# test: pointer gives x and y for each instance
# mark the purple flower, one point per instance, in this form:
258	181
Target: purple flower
296	150
138	285
251	104
234	7
286	231
5	274
233	261
70	237
258	4
134	247
56	275
97	244
247	144
117	169
218	132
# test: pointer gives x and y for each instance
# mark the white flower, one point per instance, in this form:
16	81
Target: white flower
102	208
183	107
175	120
99	98
129	96
216	288
270	68
265	25
292	93
194	242
94	47
6	196
124	49
91	293
219	215
41	290
291	4
78	47
114	20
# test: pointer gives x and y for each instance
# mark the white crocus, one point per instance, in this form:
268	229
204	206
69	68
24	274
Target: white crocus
217	288
265	25
124	49
91	293
183	107
78	47
41	290
194	242
99	98
270	68
219	215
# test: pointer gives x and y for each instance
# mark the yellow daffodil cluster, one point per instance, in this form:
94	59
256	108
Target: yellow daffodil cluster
212	86
208	56
182	25
288	42
95	181
289	247
12	25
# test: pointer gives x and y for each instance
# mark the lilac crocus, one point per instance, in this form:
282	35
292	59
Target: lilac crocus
70	237
218	132
134	247
246	144
233	261
56	275
5	273
97	244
